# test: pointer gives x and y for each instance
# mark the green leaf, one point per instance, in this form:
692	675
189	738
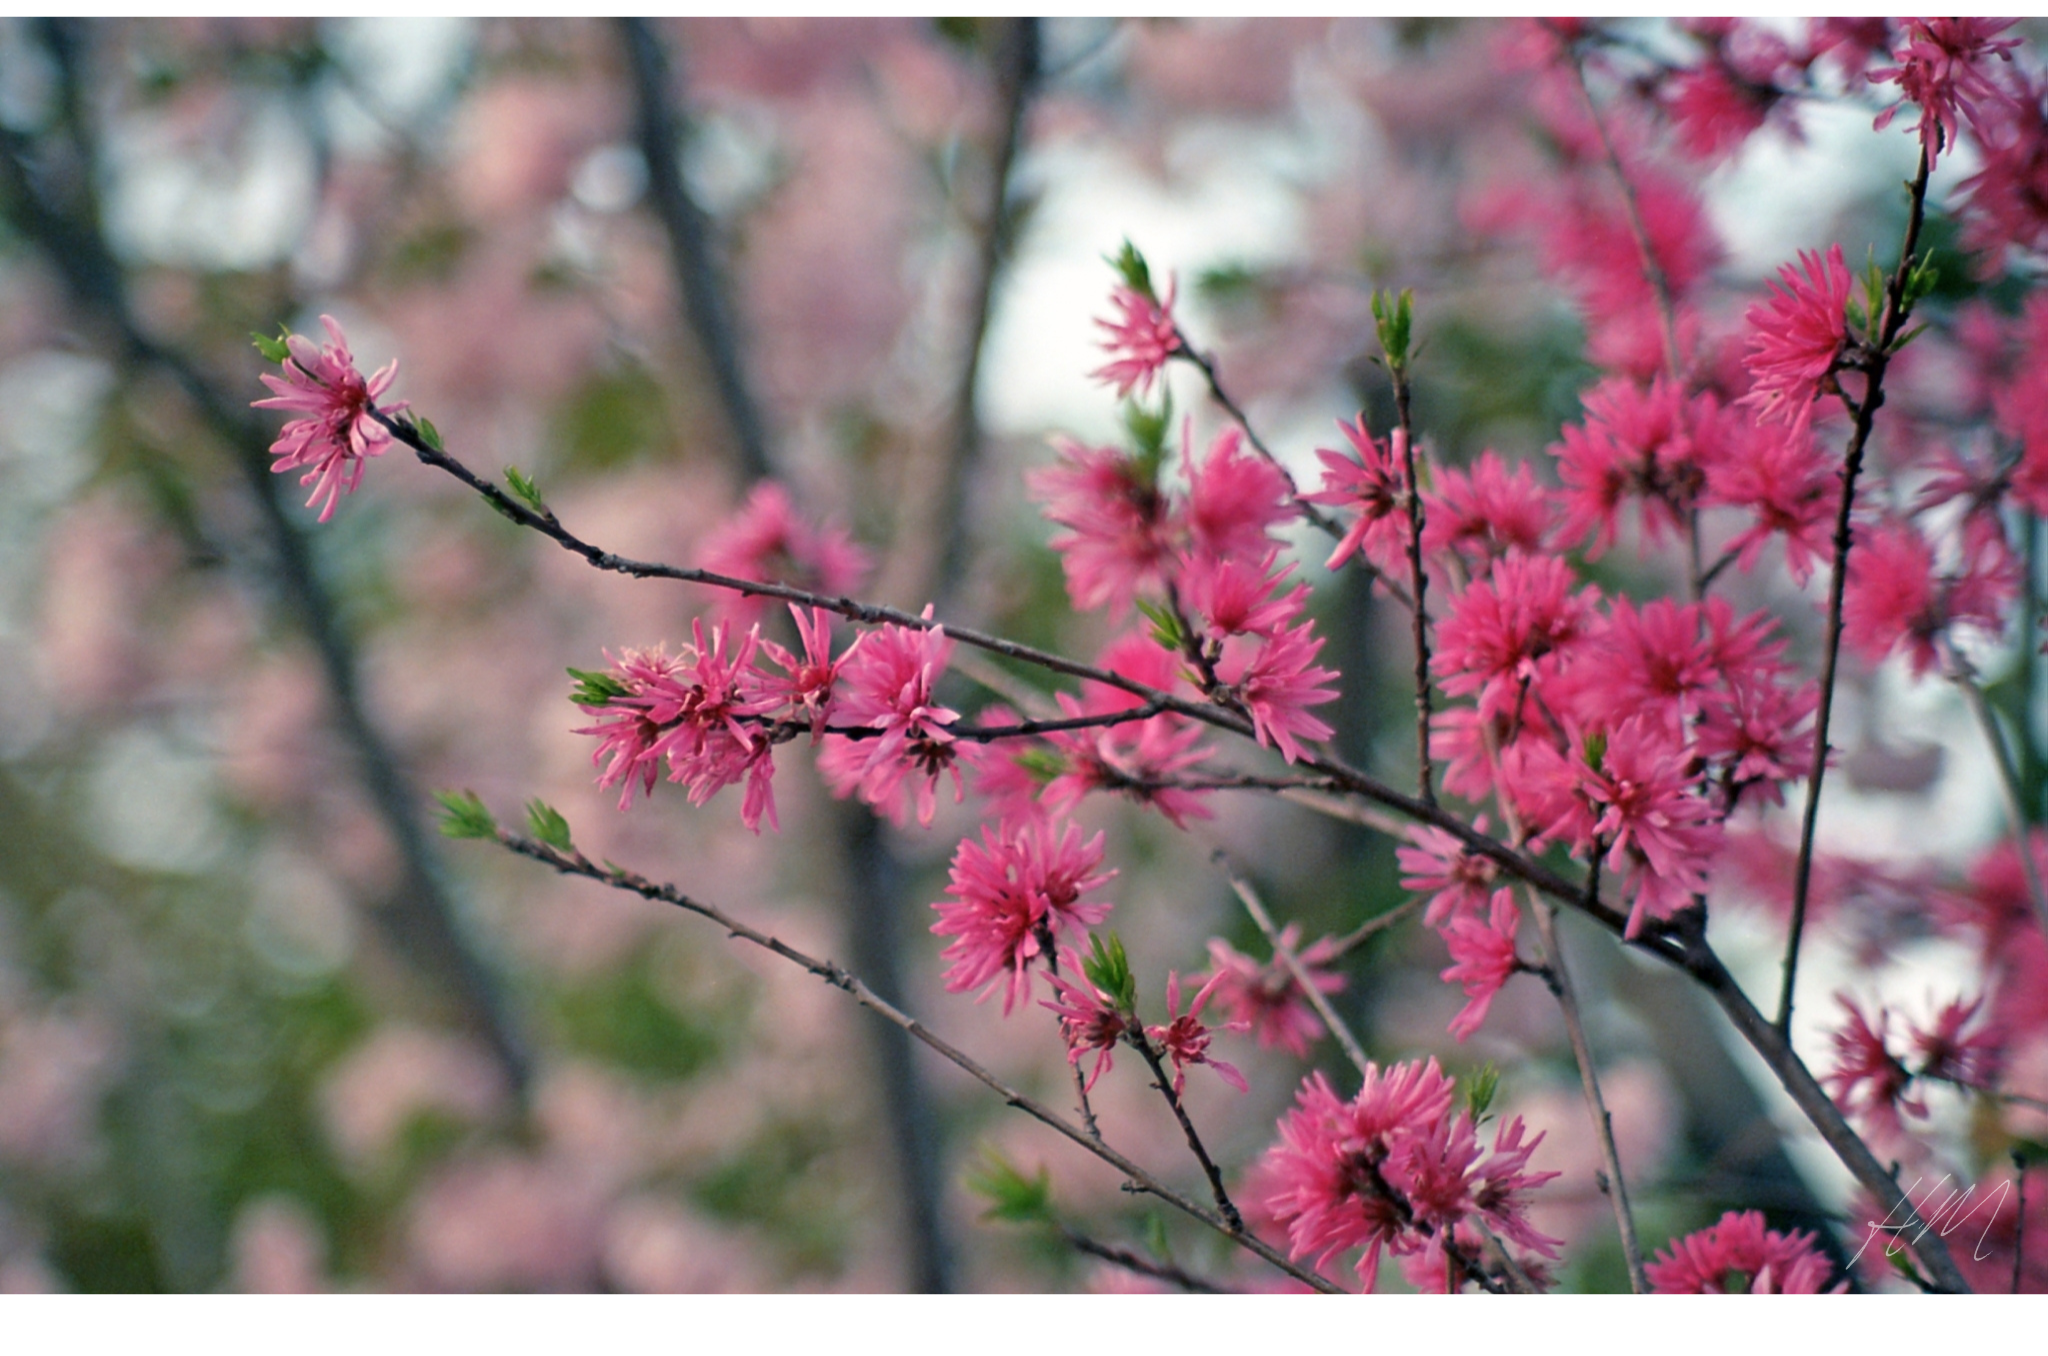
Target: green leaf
547	824
524	489
1156	1240
1596	749
2028	1152
1394	316
595	689
1165	626
1479	1092
1042	764
1136	273
1149	430
1011	1195
1108	968
274	350
429	435
463	815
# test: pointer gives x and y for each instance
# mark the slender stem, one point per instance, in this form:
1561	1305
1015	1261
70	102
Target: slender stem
1653	269
574	863
1419	581
1560	981
1139	1263
1138	1041
1960	674
1315	996
1086	1108
1897	308
1372	927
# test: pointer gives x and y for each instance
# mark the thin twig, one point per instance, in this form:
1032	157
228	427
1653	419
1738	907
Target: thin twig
1559	978
1135	1037
1653	268
1139	1263
1372	927
1960	673
574	863
1315	996
1897	308
1418	615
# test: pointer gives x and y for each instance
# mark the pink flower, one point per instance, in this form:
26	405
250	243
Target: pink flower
1949	1055
1868	1079
1738	1256
1796	337
1510	629
1136	759
1713	110
1327	1175
768	542
1760	733
1393	1171
1088	1017
322	381
1655	446
1374	486
1660	834
1484	956
1893	594
1457	880
1277	680
1235	498
2006	200
696	710
1942	69
708	739
1235	595
1185	1039
1141	338
1118	541
1264	999
886	684
1792	488
805	689
1013	894
1485	513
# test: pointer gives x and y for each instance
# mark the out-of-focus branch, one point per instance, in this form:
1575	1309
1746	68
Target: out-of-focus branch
575	864
1139	1263
1559	978
1315	997
54	206
1960	673
1013	61
663	129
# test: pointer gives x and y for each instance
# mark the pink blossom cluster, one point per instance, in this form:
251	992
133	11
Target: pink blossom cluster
1393	1170
1208	556
1738	1256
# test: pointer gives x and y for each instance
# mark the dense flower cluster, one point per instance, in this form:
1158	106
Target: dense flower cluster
1739	1256
1393	1170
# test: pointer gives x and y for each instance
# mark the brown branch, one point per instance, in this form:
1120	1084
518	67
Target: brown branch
1315	996
663	131
1139	1263
1135	1037
574	863
1558	977
1897	309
